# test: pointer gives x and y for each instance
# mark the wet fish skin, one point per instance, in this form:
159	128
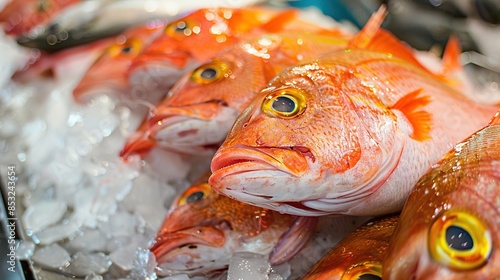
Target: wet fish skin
203	229
360	253
198	111
458	197
92	20
345	132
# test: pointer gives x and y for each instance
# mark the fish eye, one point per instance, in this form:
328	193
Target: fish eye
364	271
130	47
195	194
181	29
210	72
284	103
459	240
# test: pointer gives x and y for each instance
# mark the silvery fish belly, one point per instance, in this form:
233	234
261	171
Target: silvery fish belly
449	226
349	133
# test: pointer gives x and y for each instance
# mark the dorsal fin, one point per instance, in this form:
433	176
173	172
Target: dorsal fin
451	57
452	71
496	119
366	35
420	120
373	37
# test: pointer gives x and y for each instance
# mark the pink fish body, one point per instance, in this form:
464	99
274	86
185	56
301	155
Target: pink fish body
349	133
450	223
203	229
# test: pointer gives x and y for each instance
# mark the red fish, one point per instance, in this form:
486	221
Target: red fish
200	35
359	255
203	229
449	225
349	133
108	73
20	16
200	109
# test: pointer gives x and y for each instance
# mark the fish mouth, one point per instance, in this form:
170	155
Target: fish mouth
244	159
211	235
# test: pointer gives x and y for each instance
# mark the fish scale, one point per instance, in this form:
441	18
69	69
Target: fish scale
370	143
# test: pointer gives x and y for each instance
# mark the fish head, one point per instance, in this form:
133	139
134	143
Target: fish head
203	229
310	144
108	73
185	43
200	109
448	227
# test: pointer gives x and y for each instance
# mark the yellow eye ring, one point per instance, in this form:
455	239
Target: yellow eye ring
180	29
195	194
131	46
459	240
210	72
284	103
371	270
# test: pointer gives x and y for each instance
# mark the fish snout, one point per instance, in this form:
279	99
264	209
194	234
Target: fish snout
139	145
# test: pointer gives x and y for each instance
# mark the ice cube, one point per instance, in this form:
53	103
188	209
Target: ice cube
52	256
58	232
25	249
124	256
83	264
43	214
119	224
93	276
248	266
89	240
144	265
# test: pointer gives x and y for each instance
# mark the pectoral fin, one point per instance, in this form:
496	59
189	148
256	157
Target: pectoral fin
292	241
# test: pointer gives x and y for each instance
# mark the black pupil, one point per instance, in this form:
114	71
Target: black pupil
458	238
195	197
284	104
126	49
208	73
181	26
369	277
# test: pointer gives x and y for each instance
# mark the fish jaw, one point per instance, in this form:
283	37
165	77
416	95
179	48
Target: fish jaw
152	72
198	128
233	167
169	245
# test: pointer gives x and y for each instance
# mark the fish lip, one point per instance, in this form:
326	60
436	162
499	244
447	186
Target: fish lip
168	242
228	161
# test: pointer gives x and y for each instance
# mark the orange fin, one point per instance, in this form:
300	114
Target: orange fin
279	22
366	35
373	37
496	119
451	57
420	120
451	66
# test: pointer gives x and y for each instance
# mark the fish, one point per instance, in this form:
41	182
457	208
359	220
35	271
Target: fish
113	69
448	228
359	255
347	134
177	50
20	16
108	73
88	21
203	229
199	110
